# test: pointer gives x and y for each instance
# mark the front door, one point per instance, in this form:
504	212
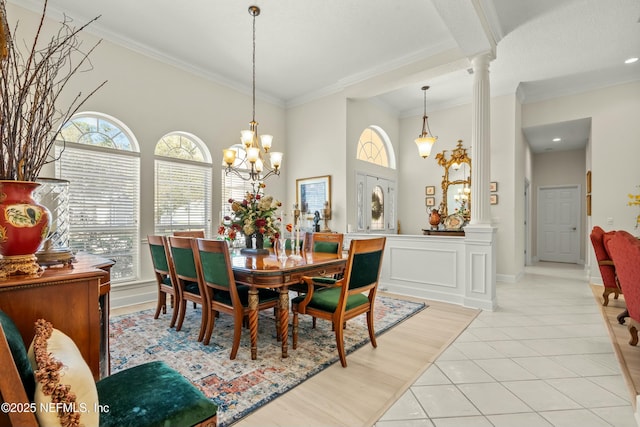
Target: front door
558	220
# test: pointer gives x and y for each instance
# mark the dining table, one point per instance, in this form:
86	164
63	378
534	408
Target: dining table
272	272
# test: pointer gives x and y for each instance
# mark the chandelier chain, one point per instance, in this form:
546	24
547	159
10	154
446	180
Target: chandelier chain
253	60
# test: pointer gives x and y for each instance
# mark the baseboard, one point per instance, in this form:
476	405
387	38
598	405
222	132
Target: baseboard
133	293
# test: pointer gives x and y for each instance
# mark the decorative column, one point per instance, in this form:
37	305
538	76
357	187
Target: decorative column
480	141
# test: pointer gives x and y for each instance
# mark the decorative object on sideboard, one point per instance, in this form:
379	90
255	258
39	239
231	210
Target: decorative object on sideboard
326	216
248	162
424	141
434	219
31	87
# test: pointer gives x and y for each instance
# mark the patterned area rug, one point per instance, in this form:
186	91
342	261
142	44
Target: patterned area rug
242	385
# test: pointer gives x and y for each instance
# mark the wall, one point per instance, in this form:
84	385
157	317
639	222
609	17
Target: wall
153	98
614	113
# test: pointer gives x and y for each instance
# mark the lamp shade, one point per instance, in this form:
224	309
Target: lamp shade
246	136
424	144
276	159
253	153
229	156
266	141
259	165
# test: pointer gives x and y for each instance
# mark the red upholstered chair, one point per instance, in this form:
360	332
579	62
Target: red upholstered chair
625	252
607	269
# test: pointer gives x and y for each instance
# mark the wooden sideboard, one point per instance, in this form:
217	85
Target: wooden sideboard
75	299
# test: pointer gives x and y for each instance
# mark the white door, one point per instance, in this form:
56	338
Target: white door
375	204
558	220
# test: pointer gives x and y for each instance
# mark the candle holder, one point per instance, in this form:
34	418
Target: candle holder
296	233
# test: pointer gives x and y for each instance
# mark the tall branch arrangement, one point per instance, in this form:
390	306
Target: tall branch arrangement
30	89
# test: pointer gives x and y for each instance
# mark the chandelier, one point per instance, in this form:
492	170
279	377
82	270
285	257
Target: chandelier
251	165
424	141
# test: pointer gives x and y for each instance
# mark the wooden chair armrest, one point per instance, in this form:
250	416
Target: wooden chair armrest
11	388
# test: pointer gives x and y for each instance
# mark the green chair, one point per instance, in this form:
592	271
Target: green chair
151	394
352	295
215	276
186	278
325	242
162	268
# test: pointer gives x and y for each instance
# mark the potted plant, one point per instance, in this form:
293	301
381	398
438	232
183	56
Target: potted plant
31	116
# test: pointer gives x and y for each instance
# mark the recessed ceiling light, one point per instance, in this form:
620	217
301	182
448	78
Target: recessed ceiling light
631	60
557	139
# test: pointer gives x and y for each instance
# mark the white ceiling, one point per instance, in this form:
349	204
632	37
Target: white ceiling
381	49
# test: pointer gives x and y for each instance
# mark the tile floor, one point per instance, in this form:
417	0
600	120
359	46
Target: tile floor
542	359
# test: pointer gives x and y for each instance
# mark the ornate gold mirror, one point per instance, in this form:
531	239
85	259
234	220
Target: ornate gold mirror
456	182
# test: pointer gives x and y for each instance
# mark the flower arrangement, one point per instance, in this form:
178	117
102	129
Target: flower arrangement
256	213
634	200
31	84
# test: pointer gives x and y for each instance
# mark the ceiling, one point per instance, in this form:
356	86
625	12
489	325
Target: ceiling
383	50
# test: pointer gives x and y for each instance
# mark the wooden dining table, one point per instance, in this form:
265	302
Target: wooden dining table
268	271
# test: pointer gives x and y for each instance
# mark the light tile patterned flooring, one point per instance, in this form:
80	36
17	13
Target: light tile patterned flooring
543	358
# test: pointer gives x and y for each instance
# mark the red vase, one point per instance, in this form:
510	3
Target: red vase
24	224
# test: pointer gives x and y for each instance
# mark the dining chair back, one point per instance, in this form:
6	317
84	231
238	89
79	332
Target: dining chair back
222	294
325	242
625	252
605	264
352	295
163	270
197	234
186	277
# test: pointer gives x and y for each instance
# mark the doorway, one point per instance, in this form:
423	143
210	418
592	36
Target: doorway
558	213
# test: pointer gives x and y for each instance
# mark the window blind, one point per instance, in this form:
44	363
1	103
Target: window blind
233	187
104	191
182	196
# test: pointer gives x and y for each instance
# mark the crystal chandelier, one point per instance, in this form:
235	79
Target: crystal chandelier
251	166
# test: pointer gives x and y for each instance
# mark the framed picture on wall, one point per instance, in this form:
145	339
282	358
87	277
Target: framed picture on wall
588	204
312	193
588	182
493	199
493	186
430	190
430	201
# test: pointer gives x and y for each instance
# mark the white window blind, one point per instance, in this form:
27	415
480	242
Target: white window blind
104	196
182	196
233	187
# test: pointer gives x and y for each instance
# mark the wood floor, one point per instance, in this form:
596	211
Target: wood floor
628	356
375	378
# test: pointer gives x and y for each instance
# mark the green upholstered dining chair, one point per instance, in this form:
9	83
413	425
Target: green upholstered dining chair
163	270
222	295
325	242
151	394
352	295
186	278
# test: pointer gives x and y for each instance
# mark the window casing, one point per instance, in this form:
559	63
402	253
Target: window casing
99	157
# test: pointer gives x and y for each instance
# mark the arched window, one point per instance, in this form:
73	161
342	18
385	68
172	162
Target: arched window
374	147
182	184
99	156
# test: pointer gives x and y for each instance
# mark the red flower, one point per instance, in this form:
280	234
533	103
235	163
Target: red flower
260	223
289	227
221	229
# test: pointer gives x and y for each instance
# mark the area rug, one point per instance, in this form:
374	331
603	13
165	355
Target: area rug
242	385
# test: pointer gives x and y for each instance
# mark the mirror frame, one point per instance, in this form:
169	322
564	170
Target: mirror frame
458	155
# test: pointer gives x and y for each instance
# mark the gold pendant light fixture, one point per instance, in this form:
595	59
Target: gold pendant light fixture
251	166
424	140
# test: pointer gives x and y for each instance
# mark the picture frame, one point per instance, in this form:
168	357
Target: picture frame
588	204
493	186
312	193
588	182
493	199
430	190
430	201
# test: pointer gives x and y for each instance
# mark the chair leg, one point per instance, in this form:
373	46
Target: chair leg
162	304
175	309
203	324
237	332
633	330
183	309
211	323
605	296
340	345
372	335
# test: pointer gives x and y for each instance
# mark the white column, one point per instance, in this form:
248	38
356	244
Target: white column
480	142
